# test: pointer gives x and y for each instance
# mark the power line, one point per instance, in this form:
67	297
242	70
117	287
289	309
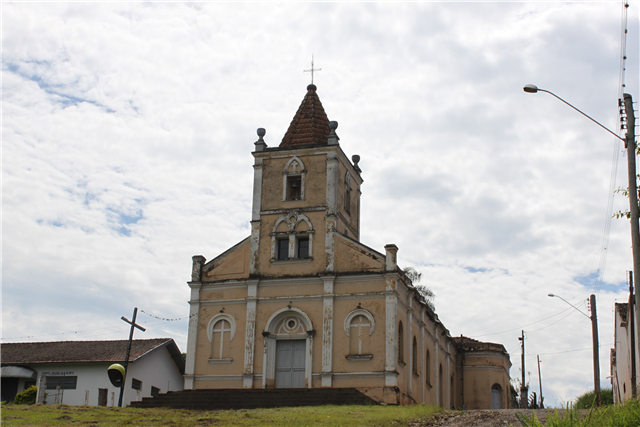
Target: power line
119	329
616	153
522	327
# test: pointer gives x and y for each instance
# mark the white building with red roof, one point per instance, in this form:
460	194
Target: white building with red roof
75	372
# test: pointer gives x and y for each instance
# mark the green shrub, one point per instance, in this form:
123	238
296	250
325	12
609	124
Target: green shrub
586	400
624	415
27	397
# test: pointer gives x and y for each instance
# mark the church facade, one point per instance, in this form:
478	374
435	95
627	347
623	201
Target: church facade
302	303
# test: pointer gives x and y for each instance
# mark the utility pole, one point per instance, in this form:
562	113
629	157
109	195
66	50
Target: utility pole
524	390
596	350
630	143
126	359
540	382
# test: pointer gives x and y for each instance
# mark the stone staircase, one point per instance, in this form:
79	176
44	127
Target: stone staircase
212	399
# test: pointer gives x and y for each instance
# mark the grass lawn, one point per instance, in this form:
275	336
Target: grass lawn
96	416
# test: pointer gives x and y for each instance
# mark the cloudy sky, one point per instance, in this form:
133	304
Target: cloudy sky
127	130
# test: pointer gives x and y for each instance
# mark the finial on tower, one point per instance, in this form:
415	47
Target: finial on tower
311	70
333	137
260	144
356	159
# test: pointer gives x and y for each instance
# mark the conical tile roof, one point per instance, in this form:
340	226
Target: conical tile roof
310	125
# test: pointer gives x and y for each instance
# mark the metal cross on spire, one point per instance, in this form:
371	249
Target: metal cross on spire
311	70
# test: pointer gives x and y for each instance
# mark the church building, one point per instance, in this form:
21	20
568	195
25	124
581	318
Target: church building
303	303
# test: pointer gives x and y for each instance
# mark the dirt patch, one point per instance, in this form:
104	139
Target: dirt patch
490	418
64	417
208	421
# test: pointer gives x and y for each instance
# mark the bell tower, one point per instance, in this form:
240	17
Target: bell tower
304	191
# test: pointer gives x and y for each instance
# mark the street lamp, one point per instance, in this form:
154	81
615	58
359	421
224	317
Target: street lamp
630	144
535	89
596	346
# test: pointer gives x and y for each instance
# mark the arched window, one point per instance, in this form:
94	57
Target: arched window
427	368
359	326
440	387
347	193
400	344
451	393
221	331
414	356
292	238
293	184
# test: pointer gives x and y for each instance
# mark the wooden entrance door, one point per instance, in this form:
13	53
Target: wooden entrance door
290	363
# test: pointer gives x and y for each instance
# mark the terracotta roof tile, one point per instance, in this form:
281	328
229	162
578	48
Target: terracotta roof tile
622	309
78	351
469	344
310	125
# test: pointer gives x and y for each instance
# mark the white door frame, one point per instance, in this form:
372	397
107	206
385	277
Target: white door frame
273	332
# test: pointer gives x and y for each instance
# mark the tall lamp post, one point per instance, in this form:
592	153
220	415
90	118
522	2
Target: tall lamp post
630	144
596	346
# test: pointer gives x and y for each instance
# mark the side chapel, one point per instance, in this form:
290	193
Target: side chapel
301	302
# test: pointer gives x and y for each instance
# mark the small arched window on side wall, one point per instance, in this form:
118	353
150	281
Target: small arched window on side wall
440	387
414	357
400	344
451	393
496	396
427	368
221	331
347	193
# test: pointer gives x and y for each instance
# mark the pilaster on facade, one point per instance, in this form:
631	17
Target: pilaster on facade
329	243
254	251
257	189
448	386
332	183
423	357
250	334
327	330
391	318
192	336
410	342
436	371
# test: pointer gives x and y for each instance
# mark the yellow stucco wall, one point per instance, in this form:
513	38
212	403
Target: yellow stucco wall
307	286
315	181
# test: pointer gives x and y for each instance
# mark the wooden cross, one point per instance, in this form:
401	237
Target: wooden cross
126	358
311	70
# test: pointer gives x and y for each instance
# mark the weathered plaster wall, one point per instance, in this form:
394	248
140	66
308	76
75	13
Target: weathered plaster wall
269	266
481	372
353	257
315	180
234	265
